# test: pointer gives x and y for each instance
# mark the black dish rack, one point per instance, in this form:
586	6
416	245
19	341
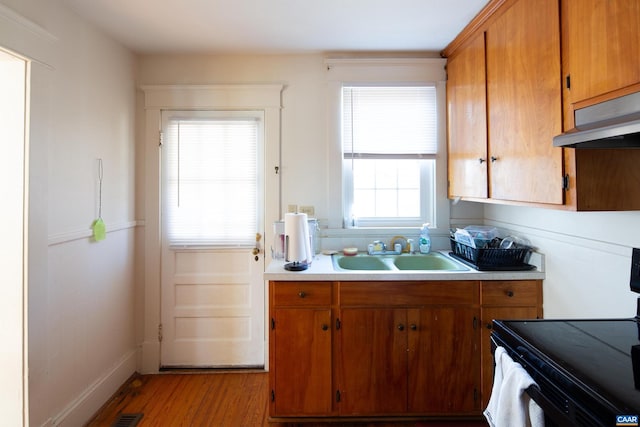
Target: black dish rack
492	259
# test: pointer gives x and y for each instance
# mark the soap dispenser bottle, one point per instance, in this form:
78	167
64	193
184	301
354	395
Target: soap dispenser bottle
425	241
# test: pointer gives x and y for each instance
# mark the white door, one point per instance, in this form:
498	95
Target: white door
212	307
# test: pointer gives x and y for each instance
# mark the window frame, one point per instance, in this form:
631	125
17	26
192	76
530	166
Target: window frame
383	72
427	179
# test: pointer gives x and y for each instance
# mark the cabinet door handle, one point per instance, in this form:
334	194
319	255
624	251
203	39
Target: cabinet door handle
302	294
493	159
401	327
489	326
481	160
325	327
510	294
413	327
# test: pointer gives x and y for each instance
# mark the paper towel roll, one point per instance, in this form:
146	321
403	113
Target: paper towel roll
296	232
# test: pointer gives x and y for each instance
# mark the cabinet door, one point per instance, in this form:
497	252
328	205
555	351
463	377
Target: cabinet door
601	46
467	124
488	314
373	361
301	361
524	103
444	360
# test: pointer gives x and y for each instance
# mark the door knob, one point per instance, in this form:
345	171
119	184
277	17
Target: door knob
256	250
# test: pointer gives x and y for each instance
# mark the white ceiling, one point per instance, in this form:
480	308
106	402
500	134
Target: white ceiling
279	26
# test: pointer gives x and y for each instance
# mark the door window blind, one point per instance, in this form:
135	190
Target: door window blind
211	181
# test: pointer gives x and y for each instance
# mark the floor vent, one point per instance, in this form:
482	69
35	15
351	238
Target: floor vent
127	420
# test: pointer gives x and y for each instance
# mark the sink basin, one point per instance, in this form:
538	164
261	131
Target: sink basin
432	261
429	262
360	262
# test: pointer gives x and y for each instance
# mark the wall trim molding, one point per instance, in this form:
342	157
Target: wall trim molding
570	239
70	236
13	16
175	97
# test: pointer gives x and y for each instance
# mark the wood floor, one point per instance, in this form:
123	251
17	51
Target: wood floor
209	399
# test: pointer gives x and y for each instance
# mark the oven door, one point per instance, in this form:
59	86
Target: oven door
563	402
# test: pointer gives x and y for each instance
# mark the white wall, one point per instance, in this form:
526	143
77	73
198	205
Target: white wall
81	292
303	164
587	254
588	257
307	173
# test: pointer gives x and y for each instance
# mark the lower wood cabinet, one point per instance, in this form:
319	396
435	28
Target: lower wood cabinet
408	348
385	348
516	299
300	349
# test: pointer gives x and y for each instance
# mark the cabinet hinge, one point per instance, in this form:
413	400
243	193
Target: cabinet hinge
273	396
565	182
273	323
338	395
475	322
568	81
338	323
160	332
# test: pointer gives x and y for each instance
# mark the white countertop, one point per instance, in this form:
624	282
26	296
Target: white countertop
322	269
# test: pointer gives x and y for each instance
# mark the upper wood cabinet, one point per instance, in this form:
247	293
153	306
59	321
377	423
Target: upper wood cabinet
524	100
505	106
601	50
467	125
538	62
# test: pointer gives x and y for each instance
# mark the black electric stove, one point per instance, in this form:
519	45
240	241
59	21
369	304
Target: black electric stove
587	371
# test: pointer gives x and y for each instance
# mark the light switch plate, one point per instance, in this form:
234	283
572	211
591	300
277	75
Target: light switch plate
309	210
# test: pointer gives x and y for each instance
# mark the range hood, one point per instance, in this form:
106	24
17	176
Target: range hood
610	124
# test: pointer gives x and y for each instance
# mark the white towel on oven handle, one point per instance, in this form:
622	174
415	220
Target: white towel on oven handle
509	404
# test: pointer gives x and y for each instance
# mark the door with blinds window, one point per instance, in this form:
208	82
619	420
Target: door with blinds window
212	306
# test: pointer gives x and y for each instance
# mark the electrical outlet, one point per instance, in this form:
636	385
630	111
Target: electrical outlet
635	270
292	208
309	210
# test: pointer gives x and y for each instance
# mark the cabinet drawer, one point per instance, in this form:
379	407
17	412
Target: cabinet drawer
513	292
296	294
408	294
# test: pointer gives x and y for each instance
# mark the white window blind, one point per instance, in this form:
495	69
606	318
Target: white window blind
399	120
211	180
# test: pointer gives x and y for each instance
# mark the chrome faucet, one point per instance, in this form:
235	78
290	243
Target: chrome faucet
379	248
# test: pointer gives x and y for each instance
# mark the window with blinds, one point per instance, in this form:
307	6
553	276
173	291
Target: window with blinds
389	147
210	180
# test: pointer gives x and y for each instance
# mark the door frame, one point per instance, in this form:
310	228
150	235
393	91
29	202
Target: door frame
265	97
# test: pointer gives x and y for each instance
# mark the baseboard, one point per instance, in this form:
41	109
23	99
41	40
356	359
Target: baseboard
85	406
